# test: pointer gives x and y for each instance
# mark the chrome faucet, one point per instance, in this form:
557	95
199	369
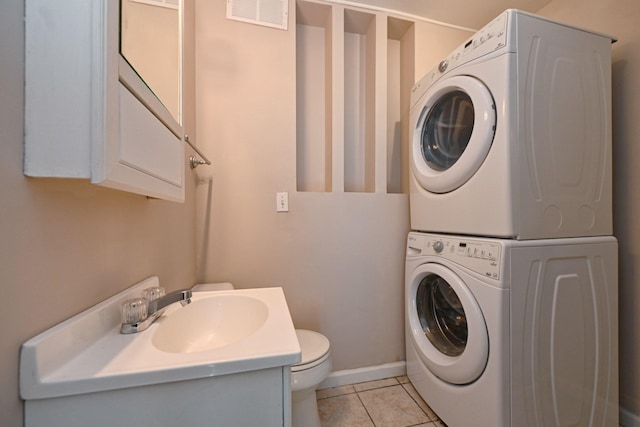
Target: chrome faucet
182	296
140	313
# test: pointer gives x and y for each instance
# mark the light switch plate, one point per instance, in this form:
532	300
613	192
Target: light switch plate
282	202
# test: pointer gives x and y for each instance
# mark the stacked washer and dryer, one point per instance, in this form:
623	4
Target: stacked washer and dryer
511	270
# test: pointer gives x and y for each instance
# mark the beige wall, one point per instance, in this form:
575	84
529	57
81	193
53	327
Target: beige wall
67	245
620	18
338	256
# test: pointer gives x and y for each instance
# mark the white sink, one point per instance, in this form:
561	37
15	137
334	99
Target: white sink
208	323
219	333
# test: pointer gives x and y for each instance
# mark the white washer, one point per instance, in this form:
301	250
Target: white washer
513	333
511	134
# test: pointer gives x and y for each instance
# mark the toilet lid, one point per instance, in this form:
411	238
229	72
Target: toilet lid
313	346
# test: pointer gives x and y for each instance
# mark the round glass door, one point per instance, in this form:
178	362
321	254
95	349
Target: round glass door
447	129
453	133
441	315
446	325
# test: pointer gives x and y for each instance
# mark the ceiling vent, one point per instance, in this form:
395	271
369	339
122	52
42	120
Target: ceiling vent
270	13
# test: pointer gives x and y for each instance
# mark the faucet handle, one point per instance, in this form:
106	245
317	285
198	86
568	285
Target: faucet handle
134	310
153	293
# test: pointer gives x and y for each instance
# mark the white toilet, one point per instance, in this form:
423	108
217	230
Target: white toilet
314	367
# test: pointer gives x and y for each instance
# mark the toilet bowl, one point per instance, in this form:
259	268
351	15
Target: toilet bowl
314	367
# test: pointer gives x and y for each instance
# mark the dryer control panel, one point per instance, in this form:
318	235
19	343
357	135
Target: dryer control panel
493	37
481	256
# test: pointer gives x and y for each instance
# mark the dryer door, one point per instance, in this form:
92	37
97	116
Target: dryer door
446	325
454	129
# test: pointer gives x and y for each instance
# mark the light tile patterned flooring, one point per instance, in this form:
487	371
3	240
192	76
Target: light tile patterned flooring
392	402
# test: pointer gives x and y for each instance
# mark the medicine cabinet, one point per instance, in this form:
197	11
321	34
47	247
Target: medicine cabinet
88	113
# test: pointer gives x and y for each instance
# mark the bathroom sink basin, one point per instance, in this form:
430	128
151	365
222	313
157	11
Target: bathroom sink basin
208	323
220	333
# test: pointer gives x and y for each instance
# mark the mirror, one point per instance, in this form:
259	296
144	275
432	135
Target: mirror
151	42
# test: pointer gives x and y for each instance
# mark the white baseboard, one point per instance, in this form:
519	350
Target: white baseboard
629	419
368	373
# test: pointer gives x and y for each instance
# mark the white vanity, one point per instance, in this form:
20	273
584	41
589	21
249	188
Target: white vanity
231	369
88	113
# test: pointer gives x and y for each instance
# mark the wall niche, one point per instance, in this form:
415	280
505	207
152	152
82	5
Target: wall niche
355	70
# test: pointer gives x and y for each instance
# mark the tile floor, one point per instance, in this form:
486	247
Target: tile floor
392	402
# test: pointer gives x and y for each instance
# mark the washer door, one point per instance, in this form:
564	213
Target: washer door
446	324
453	133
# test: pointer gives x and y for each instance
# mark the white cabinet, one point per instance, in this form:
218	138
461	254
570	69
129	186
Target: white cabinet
253	398
87	112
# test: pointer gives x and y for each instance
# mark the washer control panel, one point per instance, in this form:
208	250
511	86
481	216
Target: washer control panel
481	256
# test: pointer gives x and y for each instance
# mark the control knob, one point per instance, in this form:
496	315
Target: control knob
438	246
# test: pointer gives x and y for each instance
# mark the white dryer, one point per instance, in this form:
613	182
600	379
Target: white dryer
511	134
501	332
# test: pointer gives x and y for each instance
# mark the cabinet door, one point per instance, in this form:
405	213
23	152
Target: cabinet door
87	112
